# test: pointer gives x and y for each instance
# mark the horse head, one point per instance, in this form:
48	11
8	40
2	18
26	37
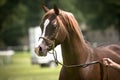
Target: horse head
52	33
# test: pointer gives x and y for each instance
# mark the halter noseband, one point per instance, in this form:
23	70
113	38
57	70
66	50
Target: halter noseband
49	42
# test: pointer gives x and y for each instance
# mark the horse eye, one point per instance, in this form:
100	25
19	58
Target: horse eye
54	22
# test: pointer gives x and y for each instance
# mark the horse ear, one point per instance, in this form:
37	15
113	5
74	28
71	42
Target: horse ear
45	8
56	10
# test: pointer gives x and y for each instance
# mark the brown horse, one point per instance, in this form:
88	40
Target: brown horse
61	27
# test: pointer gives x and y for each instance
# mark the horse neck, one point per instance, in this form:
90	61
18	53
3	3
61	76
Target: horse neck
75	50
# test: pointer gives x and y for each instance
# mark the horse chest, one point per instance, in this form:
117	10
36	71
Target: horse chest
71	74
78	74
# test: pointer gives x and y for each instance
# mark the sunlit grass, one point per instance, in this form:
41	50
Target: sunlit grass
21	68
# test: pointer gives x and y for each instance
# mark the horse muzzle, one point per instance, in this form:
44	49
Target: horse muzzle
44	47
41	51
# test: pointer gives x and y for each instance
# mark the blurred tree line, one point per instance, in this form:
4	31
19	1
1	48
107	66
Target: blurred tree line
16	16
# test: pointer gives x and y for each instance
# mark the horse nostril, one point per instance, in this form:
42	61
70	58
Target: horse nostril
40	48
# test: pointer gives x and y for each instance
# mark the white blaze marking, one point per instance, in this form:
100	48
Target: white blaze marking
47	21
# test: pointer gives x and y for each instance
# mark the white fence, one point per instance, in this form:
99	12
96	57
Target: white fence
5	56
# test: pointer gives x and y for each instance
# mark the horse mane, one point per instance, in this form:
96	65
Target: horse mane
72	23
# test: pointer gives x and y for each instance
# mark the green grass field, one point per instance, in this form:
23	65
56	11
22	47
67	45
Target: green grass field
21	68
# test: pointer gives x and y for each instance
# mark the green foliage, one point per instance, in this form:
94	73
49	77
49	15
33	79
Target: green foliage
13	27
100	14
70	5
16	16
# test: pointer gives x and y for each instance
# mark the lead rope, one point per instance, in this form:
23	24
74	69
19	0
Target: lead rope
80	65
71	66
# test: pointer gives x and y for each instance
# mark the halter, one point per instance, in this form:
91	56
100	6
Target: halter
49	42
